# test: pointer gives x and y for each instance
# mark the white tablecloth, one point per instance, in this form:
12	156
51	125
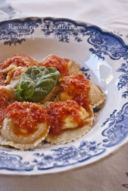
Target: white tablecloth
110	174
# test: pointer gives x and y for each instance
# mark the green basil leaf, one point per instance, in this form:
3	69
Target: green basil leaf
36	83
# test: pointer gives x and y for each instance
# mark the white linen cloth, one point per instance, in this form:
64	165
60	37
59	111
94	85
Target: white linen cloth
110	174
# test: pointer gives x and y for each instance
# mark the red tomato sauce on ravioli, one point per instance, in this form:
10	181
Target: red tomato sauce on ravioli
59	63
18	60
5	100
58	111
26	116
15	73
77	86
2	79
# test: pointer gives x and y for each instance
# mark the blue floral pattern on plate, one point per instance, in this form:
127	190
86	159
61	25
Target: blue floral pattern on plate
67	156
13	162
123	79
115	128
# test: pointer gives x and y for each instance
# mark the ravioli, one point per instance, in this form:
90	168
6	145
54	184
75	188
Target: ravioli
63	65
59	108
80	89
68	121
13	76
13	67
73	67
6	98
25	125
16	61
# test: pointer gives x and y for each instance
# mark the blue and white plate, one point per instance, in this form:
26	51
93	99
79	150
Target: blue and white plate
103	58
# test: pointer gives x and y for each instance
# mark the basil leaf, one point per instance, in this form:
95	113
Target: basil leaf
36	83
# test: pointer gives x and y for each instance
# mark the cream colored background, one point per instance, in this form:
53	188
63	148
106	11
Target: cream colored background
107	175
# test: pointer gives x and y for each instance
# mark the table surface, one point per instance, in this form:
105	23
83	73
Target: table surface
111	173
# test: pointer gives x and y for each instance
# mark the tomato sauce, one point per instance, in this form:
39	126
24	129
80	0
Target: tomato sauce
59	63
58	111
2	79
26	116
5	100
16	73
77	87
18	60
